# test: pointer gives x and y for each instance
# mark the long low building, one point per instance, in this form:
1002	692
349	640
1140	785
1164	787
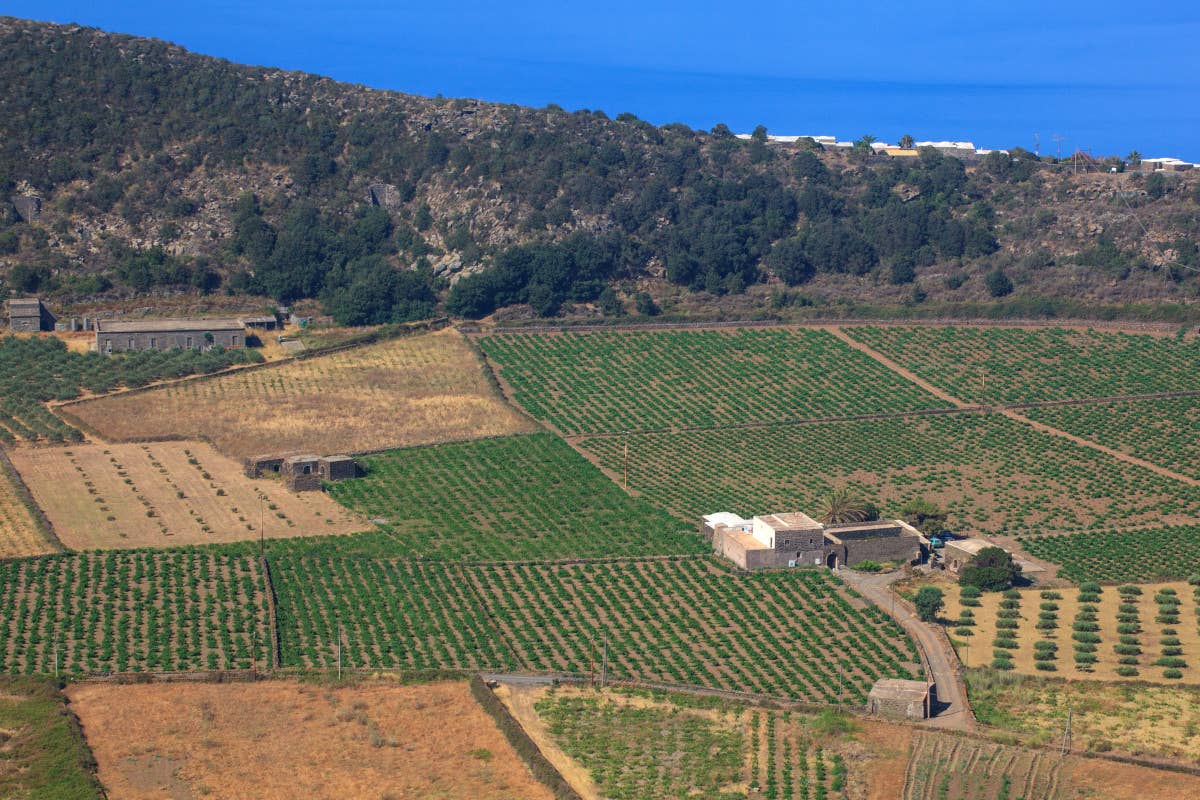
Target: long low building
794	539
168	334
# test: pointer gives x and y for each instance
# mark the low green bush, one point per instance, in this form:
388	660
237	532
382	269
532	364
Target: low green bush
963	632
1172	673
1085	647
1129	590
1090	587
1007	644
1129	660
1085	636
1050	594
1127	650
1045	666
1048	607
1082	625
1130	640
1088	597
1007	624
1171	661
1127	672
1129	627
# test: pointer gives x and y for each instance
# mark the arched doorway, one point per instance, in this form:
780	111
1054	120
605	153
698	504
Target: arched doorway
831	561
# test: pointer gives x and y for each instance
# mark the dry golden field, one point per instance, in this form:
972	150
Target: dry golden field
282	739
976	650
19	535
166	494
416	390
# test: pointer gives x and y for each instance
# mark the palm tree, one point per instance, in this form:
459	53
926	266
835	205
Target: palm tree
906	142
842	505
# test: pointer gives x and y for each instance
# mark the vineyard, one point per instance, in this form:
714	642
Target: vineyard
969	769
389	614
167	494
1147	632
1014	365
36	370
414	390
797	634
132	611
992	474
1158	554
521	497
19	533
611	382
644	745
1159	431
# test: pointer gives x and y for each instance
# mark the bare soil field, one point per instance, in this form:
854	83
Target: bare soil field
19	534
167	494
283	739
415	390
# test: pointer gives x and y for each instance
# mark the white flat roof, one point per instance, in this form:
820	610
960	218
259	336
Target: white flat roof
789	520
727	518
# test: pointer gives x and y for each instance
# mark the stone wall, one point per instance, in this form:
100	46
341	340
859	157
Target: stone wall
118	342
888	548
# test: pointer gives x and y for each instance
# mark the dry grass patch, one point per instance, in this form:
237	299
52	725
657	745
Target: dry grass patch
19	534
167	494
282	739
409	391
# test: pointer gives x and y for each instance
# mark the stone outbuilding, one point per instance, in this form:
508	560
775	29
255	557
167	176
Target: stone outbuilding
168	334
29	314
305	472
896	698
794	539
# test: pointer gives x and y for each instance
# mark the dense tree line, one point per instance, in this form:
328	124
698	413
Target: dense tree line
576	199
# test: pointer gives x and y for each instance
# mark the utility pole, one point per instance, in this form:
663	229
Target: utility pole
604	667
55	656
1066	740
339	646
1058	140
1037	145
262	524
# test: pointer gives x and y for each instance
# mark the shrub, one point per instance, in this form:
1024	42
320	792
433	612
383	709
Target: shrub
1085	648
1011	594
1127	672
1085	626
1129	590
1172	651
963	632
869	566
1128	660
969	591
1129	628
1049	606
1044	646
1170	661
1008	613
1045	666
1006	624
1130	640
1010	604
1046	624
1170	641
1087	597
1085	658
1083	636
1091	587
1127	649
1006	643
1172	673
1050	594
1002	664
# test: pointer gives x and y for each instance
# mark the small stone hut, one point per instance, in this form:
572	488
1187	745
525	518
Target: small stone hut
29	314
896	698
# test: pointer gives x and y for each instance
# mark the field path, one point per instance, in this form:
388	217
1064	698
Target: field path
1117	454
955	711
894	367
520	700
1008	412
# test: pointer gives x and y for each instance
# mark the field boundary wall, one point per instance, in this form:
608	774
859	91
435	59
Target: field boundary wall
526	748
40	520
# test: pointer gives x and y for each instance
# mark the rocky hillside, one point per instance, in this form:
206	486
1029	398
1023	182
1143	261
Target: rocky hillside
132	171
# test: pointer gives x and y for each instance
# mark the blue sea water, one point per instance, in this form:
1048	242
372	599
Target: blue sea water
1155	120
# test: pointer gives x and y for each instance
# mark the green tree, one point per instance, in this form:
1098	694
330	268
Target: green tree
906	142
1134	158
924	515
842	505
998	284
929	602
991	570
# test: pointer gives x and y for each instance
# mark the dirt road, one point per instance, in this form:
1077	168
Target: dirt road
952	710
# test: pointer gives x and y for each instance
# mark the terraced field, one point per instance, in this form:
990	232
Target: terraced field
993	474
1160	431
415	390
1014	365
949	766
1114	556
607	382
521	497
132	611
797	634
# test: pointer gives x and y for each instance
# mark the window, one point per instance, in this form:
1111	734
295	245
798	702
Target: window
153	343
189	342
233	340
129	345
108	345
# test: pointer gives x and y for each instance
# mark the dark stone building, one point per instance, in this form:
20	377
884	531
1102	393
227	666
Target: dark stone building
167	334
29	314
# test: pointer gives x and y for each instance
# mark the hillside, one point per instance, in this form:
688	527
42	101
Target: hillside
167	176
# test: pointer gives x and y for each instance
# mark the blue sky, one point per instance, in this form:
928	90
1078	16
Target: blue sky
1105	76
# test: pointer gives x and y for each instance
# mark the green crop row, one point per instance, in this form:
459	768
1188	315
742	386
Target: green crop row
991	473
1010	365
132	611
1115	556
515	498
608	382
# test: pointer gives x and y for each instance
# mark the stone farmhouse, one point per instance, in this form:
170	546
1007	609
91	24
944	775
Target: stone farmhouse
896	698
167	334
29	314
794	539
302	472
